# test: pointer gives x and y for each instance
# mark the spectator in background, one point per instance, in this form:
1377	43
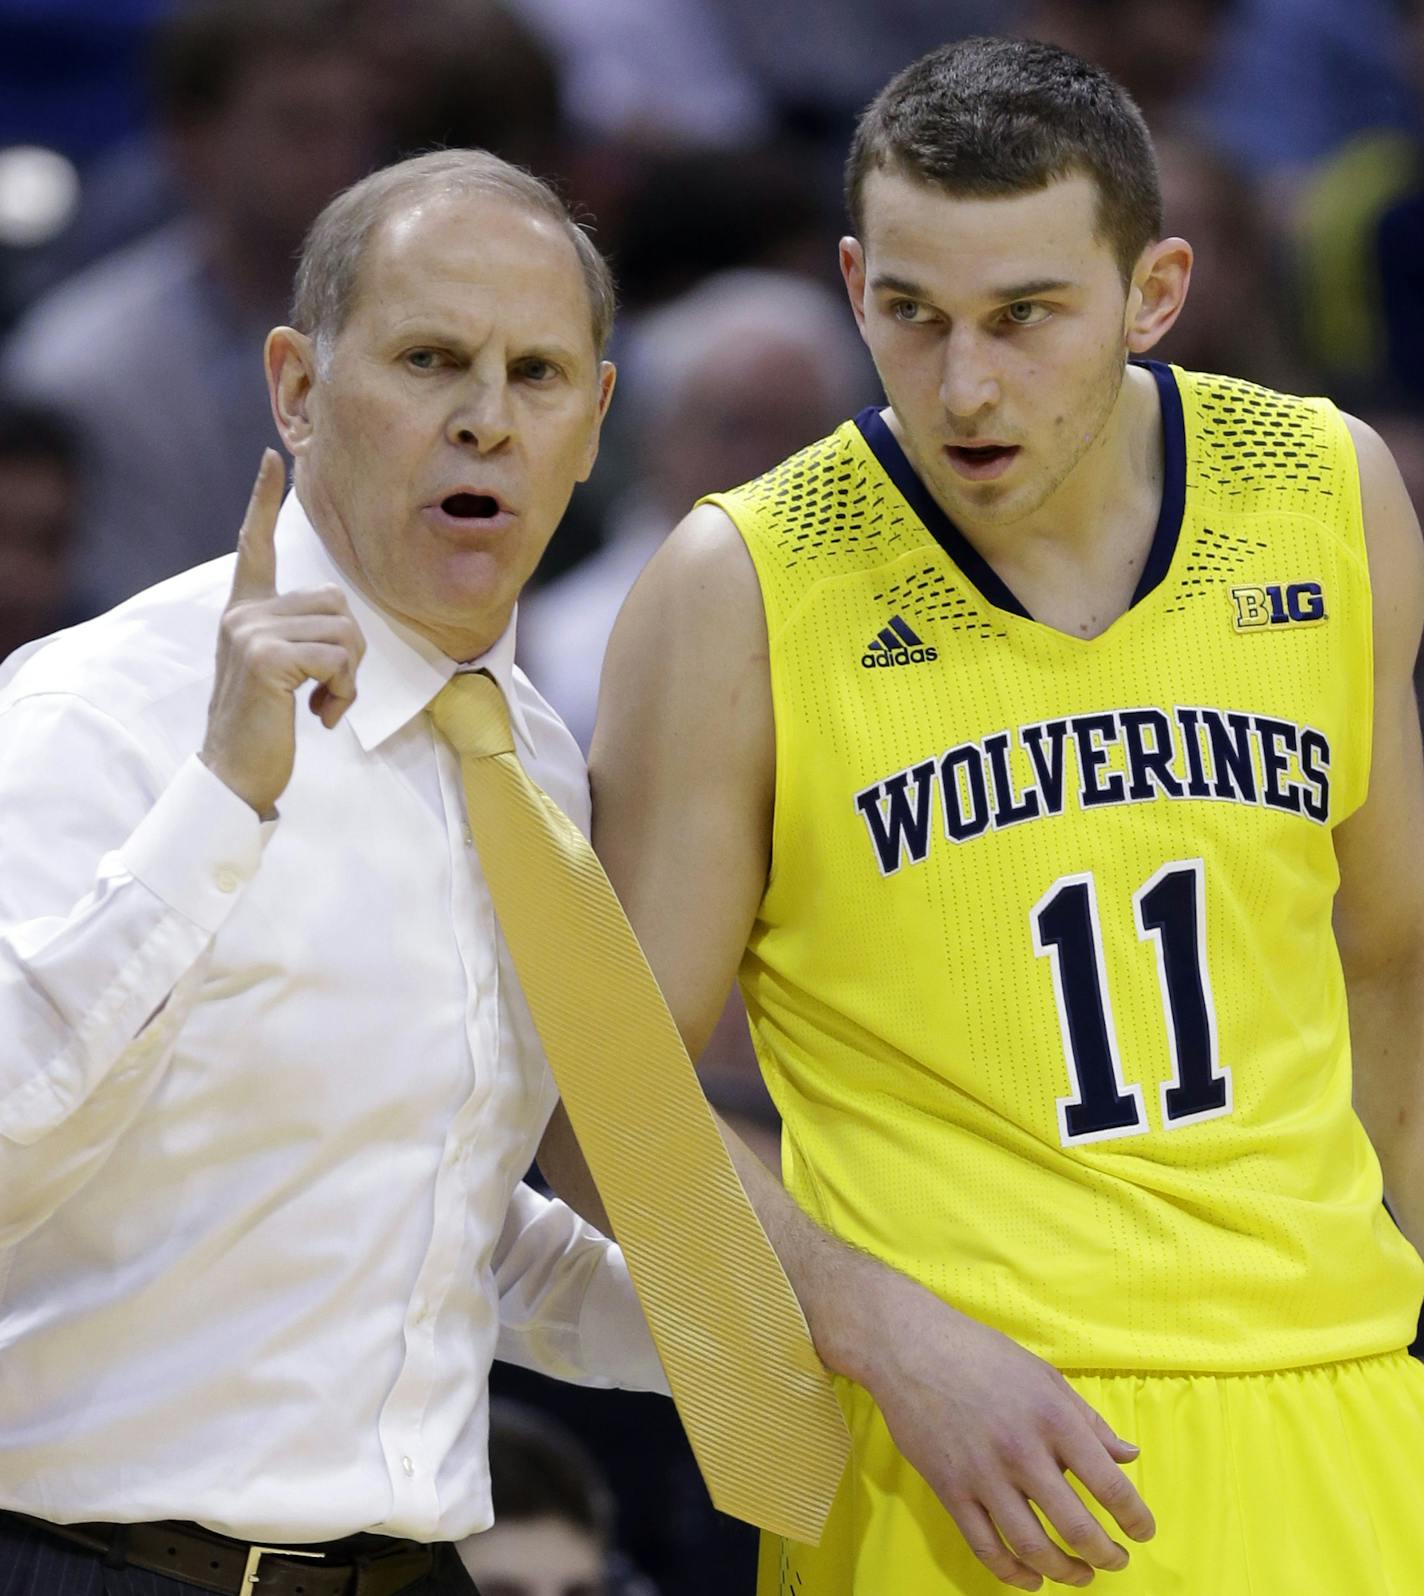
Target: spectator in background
70	82
655	73
1161	54
694	212
744	369
154	352
1358	229
462	74
38	491
553	1516
819	61
1296	78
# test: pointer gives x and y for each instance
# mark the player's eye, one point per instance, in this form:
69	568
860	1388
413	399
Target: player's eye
1026	312
906	310
423	359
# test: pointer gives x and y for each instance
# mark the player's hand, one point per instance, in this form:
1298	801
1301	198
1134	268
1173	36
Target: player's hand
268	646
993	1428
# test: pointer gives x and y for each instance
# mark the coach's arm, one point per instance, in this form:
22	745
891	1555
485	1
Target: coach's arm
683	771
1379	912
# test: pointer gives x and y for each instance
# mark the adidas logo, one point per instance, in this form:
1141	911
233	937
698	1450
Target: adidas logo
896	644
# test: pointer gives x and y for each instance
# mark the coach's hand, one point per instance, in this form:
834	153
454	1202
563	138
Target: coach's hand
268	646
993	1428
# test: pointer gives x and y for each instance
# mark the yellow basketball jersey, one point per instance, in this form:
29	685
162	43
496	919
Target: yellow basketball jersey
1043	981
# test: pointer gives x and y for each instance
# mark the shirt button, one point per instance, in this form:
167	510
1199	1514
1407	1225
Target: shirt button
407	1465
228	880
469	838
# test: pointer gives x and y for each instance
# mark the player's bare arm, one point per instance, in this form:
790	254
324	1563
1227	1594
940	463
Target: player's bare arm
1379	914
268	646
683	771
565	1169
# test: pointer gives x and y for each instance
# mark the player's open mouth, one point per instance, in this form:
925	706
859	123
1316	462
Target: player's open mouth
981	462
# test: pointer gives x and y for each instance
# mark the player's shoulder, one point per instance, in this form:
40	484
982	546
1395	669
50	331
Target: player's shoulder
1235	414
1252	448
1377	462
703	565
708	574
1391	528
780	495
690	644
1384	499
706	535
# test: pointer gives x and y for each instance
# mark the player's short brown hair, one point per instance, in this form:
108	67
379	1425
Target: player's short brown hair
986	118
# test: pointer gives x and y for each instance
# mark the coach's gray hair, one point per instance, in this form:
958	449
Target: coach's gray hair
328	274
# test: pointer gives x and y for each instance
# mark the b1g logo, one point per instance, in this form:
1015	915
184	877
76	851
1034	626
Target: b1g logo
1293	604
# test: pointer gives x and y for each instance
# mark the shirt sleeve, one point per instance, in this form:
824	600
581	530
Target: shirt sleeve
567	1307
114	876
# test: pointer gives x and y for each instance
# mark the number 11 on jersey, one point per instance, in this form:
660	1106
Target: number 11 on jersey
1169	910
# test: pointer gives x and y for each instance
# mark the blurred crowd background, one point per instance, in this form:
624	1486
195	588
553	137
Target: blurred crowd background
160	160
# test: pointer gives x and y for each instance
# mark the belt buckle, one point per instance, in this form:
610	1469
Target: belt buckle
255	1555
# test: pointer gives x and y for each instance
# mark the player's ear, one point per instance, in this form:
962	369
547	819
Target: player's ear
1157	293
291	361
852	259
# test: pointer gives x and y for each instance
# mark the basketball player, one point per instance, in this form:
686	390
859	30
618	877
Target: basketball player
1016	743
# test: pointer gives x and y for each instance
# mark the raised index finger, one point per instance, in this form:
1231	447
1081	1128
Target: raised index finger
255	574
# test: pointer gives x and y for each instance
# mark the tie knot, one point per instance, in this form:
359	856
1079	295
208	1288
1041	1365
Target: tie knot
470	712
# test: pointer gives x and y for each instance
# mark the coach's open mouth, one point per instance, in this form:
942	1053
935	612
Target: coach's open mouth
470	506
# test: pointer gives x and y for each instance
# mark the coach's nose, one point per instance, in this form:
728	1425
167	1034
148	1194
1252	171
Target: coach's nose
482	417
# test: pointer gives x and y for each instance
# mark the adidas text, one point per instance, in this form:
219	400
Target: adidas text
899	656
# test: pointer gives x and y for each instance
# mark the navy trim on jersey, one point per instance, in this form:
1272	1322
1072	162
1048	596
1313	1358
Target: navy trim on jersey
1174	481
895	463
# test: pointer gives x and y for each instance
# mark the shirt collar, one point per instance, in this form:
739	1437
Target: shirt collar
401	671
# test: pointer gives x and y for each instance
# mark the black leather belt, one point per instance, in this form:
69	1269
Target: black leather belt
361	1565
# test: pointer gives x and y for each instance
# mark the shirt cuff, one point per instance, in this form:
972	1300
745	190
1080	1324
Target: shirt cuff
198	846
614	1338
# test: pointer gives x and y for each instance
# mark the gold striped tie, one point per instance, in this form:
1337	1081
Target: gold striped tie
755	1401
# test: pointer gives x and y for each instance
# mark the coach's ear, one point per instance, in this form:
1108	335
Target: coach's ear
852	258
1158	292
290	359
607	377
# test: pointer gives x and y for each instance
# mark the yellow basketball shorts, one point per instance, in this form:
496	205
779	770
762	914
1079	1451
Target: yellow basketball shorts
1301	1482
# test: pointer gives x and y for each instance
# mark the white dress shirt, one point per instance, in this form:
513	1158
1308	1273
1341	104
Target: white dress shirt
267	1092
